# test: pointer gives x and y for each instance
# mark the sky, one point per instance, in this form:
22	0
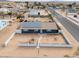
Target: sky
43	0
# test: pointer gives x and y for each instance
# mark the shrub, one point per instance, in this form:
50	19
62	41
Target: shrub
66	56
75	15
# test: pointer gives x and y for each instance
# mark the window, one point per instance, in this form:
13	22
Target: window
25	29
48	29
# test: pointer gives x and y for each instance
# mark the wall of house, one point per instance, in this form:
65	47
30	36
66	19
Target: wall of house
39	31
18	31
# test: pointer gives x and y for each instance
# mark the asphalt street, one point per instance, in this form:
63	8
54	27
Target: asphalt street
71	27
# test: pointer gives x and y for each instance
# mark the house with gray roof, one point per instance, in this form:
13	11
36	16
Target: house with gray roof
38	27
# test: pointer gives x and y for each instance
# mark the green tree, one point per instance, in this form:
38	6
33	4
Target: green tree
2	14
18	16
10	14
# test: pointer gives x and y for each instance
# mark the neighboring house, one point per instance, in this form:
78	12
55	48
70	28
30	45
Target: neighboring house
71	11
5	10
36	12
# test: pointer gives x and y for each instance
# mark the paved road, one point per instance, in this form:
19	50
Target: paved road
71	27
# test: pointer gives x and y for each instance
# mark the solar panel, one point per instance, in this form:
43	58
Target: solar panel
31	24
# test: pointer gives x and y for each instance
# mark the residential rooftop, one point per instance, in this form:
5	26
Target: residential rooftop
38	25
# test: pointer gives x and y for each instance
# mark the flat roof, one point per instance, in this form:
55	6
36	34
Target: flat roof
49	25
30	24
38	25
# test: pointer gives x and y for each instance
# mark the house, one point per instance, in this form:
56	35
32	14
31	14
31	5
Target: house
37	27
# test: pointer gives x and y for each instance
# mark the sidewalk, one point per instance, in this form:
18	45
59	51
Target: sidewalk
69	37
64	15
